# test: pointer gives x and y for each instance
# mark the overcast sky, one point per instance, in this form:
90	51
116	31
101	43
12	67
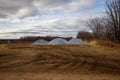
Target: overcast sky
47	17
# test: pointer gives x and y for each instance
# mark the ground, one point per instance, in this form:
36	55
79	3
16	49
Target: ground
70	62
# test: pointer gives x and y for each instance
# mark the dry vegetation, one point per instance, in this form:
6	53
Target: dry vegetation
26	62
105	43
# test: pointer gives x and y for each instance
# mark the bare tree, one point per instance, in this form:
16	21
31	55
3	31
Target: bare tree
113	25
85	35
97	27
108	27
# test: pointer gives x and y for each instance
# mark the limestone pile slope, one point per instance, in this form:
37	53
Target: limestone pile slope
40	42
57	41
75	41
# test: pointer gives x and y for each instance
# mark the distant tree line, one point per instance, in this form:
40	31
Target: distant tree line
48	38
107	28
29	39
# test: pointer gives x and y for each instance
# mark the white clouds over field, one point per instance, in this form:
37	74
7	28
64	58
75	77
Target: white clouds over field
46	17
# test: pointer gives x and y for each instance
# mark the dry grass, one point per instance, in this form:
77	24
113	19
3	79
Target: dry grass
56	76
59	62
105	43
6	53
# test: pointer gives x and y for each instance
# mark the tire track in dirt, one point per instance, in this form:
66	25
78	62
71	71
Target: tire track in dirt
67	59
76	60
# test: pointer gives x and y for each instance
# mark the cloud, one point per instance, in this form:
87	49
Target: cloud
54	26
45	17
28	8
52	6
17	8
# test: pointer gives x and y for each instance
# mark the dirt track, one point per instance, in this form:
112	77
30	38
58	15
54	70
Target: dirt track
59	59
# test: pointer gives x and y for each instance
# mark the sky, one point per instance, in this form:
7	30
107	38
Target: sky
63	18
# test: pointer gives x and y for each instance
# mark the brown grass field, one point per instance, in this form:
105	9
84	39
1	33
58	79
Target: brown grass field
67	62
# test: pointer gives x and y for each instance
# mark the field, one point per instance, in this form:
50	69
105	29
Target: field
67	62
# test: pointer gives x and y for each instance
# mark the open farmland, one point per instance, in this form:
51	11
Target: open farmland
67	62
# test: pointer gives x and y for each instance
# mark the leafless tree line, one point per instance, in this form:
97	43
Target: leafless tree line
107	27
